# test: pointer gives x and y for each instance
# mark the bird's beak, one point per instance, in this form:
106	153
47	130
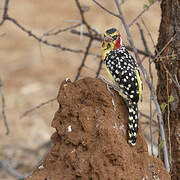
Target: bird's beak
108	39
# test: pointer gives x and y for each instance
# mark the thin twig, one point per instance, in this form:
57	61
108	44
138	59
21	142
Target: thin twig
5	12
143	39
99	68
166	160
151	82
168	121
154	124
50	33
151	77
105	9
141	13
98	37
176	80
40	39
172	78
165	57
89	68
84	58
158	57
48	43
147	137
36	107
3	108
151	116
143	115
81	11
30	33
149	34
166	45
122	2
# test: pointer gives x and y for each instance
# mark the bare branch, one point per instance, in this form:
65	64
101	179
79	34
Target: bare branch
50	33
158	54
166	160
122	2
172	78
41	39
166	45
3	108
149	35
84	58
37	107
105	9
81	11
5	15
89	68
157	57
99	68
168	120
30	33
141	13
33	35
143	39
98	37
147	137
151	81
151	114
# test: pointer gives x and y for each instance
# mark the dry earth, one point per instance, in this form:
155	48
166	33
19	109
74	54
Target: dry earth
32	72
90	141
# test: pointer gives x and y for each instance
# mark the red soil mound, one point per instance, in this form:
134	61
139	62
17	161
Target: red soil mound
90	141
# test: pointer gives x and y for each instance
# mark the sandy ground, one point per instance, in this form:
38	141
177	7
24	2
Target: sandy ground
32	72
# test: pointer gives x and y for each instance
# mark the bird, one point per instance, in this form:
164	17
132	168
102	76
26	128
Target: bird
123	71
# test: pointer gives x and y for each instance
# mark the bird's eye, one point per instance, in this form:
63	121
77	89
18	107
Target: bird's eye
115	37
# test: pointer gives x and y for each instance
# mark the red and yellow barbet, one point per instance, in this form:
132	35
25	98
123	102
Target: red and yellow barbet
123	70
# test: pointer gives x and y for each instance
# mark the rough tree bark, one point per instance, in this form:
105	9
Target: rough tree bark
167	91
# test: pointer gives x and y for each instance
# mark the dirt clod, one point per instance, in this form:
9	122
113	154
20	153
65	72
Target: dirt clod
90	141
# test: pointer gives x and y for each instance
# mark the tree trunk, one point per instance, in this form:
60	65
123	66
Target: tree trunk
168	92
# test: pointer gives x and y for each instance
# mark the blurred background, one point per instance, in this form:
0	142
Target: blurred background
31	72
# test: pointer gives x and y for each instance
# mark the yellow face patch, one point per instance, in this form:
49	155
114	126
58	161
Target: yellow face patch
106	48
109	45
139	85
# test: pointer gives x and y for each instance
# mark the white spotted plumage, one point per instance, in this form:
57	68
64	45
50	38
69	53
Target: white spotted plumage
125	72
122	69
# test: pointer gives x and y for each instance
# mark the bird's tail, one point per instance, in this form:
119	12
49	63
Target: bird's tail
132	124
